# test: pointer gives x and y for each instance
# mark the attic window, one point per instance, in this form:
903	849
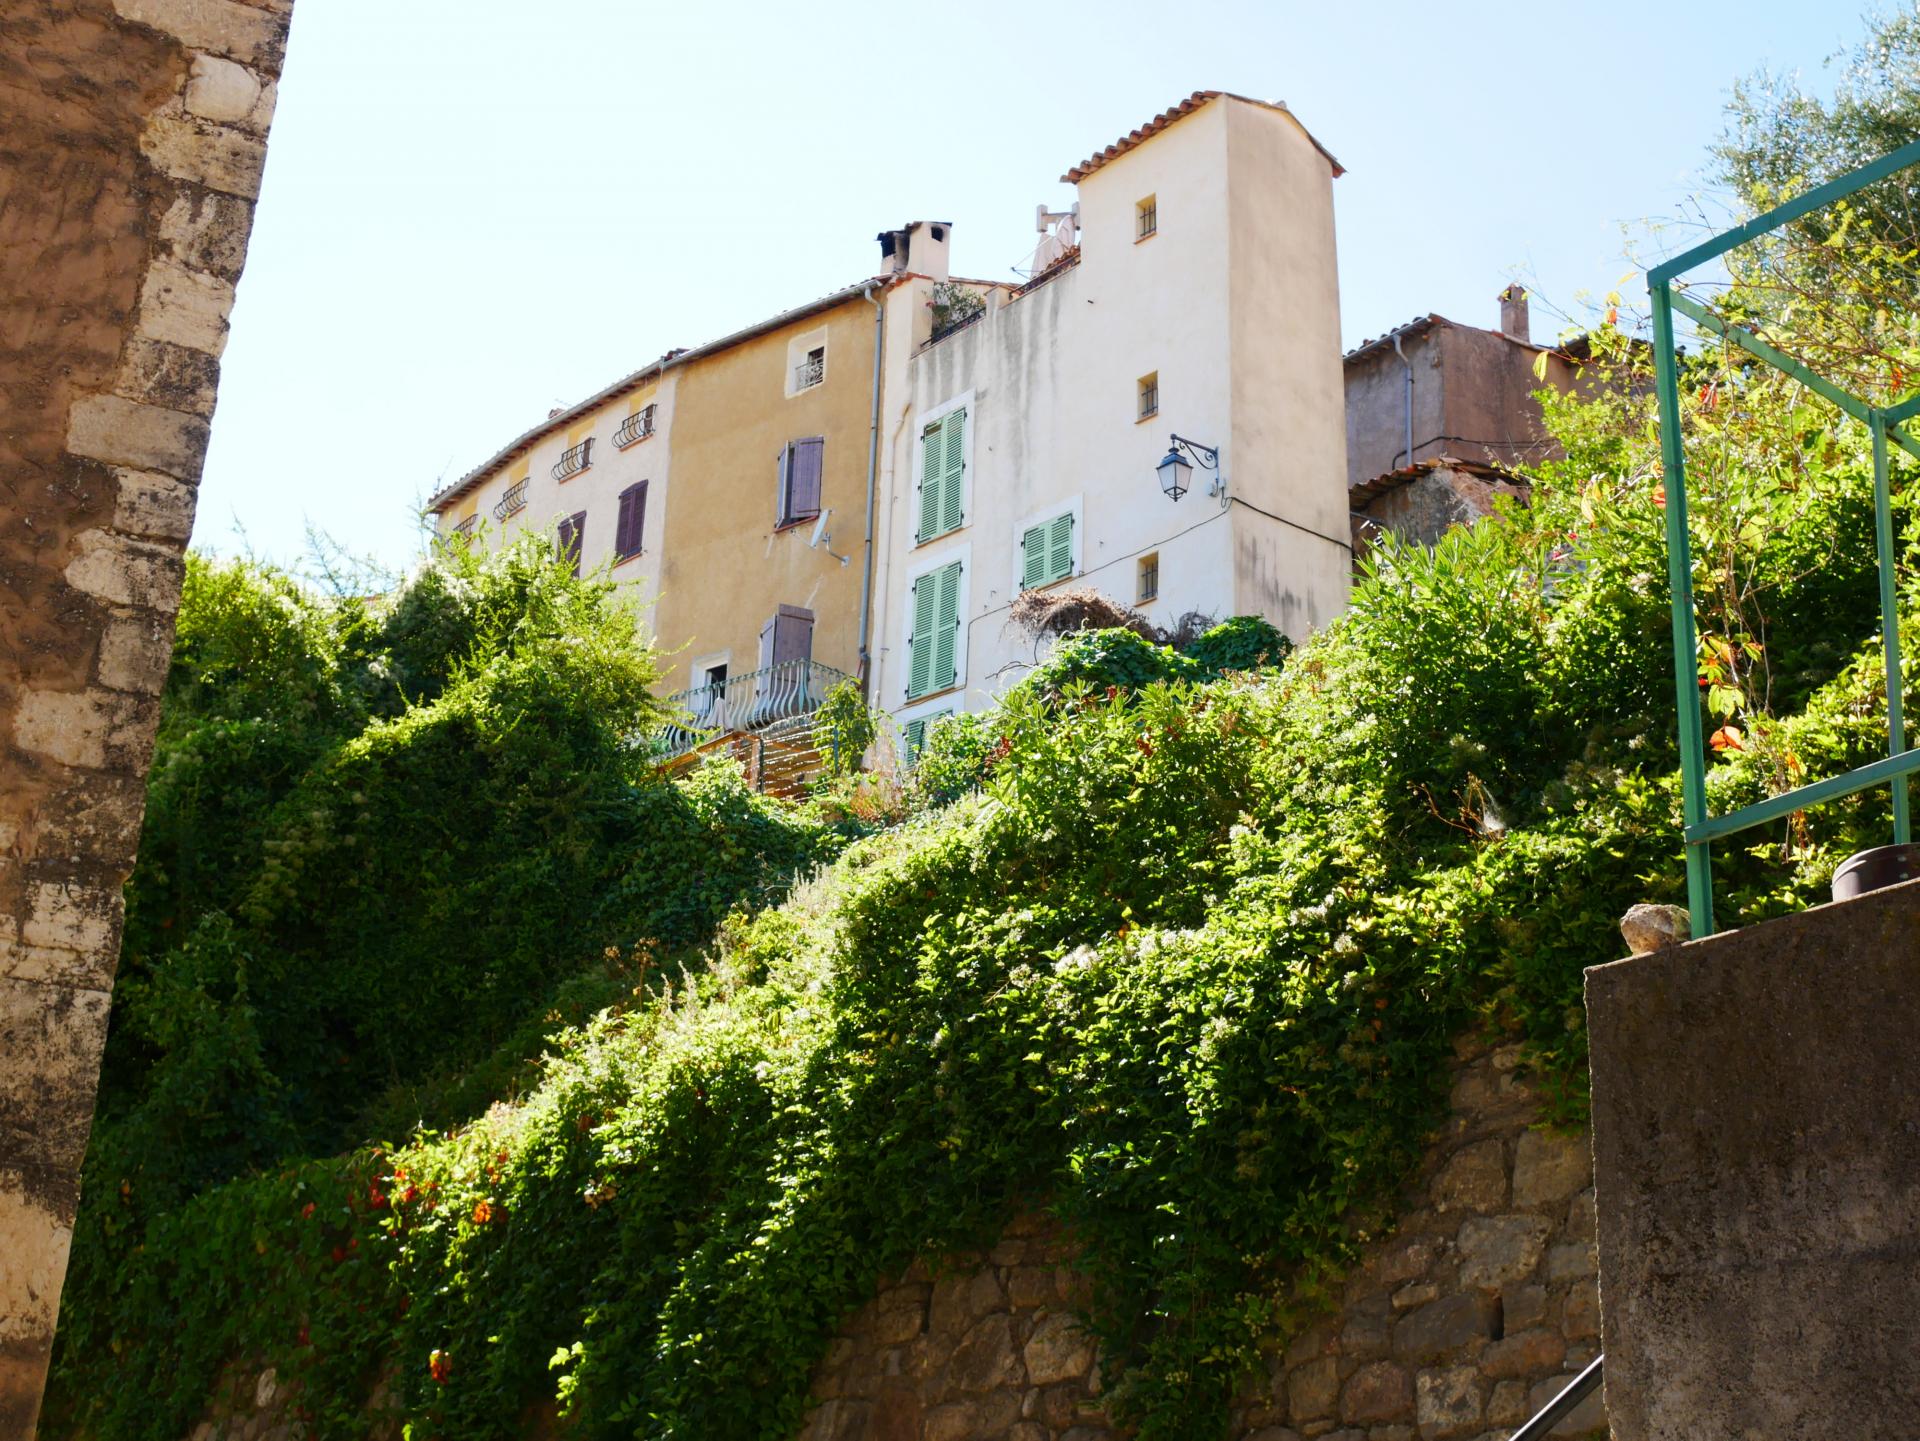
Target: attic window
812	371
1146	218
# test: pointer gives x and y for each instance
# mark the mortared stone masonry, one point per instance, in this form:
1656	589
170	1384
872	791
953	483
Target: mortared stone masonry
132	139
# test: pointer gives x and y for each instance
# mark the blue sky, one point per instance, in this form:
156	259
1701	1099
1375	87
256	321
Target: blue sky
478	209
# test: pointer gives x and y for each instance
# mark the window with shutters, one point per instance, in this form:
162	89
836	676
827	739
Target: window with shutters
629	530
1046	551
916	731
943	465
573	538
934	641
798	479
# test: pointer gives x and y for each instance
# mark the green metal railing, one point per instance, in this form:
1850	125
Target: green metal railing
1886	424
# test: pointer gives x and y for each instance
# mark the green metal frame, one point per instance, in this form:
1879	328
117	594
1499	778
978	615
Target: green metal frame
1886	424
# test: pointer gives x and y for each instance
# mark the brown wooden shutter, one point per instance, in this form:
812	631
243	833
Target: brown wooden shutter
630	530
573	534
792	634
803	488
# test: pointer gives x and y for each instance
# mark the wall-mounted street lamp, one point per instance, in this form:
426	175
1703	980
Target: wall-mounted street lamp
1176	467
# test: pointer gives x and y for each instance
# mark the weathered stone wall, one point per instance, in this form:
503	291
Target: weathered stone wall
1471	1314
132	139
1758	1132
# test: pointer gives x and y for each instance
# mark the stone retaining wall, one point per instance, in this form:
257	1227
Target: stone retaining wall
1474	1312
132	140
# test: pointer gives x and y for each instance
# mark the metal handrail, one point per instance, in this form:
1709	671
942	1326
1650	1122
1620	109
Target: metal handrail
750	701
512	501
635	428
809	373
1563	1405
1884	423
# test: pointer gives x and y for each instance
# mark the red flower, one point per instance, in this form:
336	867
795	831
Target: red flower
1145	745
306	1212
305	1338
410	1195
376	1198
440	1366
339	1254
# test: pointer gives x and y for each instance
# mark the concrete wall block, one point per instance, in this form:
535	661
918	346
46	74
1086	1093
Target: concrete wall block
158	372
223	91
125	571
92	729
153	505
119	431
185	307
211	155
207	231
72	917
96	818
36	1228
251	34
51	1037
135	652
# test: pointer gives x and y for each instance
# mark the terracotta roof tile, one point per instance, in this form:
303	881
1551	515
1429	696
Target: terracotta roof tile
1167	117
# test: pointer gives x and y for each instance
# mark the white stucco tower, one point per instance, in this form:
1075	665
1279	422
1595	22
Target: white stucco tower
1194	293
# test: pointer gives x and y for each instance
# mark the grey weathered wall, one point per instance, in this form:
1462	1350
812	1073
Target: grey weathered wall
1757	1132
132	140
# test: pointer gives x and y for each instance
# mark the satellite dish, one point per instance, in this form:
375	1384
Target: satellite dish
820	530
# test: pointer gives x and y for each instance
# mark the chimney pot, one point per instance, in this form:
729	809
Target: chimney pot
1513	313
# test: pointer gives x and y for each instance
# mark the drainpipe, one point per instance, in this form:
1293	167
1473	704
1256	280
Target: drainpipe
1409	365
873	473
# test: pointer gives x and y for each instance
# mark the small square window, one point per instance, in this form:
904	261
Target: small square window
812	371
1146	218
1147	579
1149	396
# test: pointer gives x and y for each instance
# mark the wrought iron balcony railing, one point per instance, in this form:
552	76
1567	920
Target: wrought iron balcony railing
574	460
750	701
634	429
810	372
513	502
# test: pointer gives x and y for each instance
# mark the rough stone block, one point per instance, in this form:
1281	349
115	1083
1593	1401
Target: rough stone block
1549	1169
250	34
135	652
85	728
96	816
208	231
1473	1179
1523	1306
119	431
71	917
1313	1390
1379	1391
1507	1406
1591	1414
960	1299
156	372
125	571
1497	1249
1444	1328
1576	1258
185	307
986	1357
1448	1401
1366	1337
1523	1353
51	1037
36	1228
215	156
1058	1350
153	506
221	90
1581	1317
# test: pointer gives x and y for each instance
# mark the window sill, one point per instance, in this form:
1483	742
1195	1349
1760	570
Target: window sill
944	535
945	690
1146	600
1143	239
573	475
623	559
637	440
782	527
1150	415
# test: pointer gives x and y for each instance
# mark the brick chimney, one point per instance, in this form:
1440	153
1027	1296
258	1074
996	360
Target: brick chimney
1513	313
920	247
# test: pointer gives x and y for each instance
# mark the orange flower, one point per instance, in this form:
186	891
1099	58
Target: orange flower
482	1212
1660	493
440	1366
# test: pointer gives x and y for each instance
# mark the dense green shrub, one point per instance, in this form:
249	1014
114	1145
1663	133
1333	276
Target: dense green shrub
1240	643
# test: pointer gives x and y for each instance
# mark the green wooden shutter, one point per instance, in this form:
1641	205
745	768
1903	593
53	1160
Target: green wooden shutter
1033	557
916	737
920	644
953	468
1060	547
946	633
930	475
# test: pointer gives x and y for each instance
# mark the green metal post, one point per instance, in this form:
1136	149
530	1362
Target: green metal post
1686	661
1889	621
